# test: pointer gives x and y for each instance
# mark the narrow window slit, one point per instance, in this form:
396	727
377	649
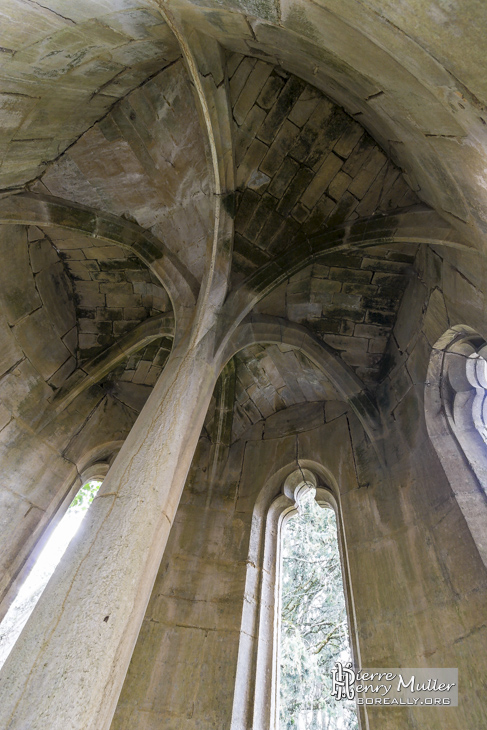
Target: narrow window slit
45	565
313	622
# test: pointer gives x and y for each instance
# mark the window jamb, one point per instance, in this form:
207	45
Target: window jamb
451	402
256	700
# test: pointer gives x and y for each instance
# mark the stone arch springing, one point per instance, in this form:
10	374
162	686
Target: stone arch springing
456	418
268	329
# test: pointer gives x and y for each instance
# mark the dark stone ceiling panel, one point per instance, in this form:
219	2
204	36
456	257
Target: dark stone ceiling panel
350	301
303	164
113	290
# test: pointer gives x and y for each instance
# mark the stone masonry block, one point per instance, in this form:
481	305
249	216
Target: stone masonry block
233	60
378	344
366	176
348	344
279	148
273	227
124	287
251	90
123	300
347	300
87	341
383	318
342	312
294	190
39	341
359	157
87	287
327	138
246	208
396	267
305	106
71	340
348	140
10	352
259	182
370	330
121	327
246	133
381	304
350	275
360	289
311	130
239	78
271	91
281	109
109	313
283	177
18	295
339	185
56	291
300	212
266	205
321	180
253	158
319	214
42	254
89	300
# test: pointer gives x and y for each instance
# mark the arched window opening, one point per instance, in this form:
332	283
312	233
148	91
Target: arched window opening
37	579
257	696
313	620
464	398
456	418
477	374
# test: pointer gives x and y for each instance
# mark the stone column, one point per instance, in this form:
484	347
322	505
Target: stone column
67	668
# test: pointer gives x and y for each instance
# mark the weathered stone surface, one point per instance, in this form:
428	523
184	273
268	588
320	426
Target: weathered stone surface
18	294
293	420
298	163
347	387
435	321
42	252
10	352
57	296
39	341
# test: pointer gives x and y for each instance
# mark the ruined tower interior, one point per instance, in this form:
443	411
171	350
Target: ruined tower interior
243	247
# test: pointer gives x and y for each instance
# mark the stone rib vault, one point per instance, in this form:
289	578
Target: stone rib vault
239	241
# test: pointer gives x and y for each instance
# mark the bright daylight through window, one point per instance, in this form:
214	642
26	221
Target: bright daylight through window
314	630
31	590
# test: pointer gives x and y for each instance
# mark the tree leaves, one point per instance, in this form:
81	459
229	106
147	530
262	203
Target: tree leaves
314	630
85	496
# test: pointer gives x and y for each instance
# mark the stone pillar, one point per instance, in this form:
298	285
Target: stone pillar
68	666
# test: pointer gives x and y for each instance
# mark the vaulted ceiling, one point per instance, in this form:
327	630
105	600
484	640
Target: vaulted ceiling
340	112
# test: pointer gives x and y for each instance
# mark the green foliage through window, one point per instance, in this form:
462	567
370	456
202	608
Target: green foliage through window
85	496
30	592
314	630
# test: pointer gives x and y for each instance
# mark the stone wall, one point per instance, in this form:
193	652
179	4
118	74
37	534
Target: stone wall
43	452
417	583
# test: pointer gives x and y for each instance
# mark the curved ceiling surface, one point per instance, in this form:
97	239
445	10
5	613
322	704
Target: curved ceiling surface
413	73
